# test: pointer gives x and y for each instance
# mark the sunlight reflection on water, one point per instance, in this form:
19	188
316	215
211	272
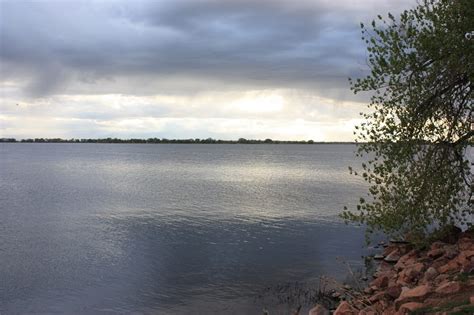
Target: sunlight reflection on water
169	228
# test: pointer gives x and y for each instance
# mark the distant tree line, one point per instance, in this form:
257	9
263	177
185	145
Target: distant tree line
163	140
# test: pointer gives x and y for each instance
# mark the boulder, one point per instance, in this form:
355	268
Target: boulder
412	295
452	265
394	291
410	273
448	288
417	292
389	310
406	260
344	309
471	300
441	261
318	310
368	290
464	260
410	306
435	253
466	243
380	282
441	278
430	274
367	311
468	266
450	252
377	297
383	268
466	254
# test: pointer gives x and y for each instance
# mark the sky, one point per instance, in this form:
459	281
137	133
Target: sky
224	69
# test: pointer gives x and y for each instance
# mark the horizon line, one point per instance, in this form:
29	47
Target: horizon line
167	140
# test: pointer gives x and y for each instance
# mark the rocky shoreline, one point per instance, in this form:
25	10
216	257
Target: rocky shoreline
435	280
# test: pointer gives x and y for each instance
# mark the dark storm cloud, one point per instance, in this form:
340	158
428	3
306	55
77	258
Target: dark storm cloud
139	47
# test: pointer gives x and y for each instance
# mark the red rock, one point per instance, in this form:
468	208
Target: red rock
394	291
467	266
367	311
441	278
406	260
452	265
378	307
384	267
465	243
344	309
430	273
377	297
439	262
403	281
417	293
357	304
368	290
448	288
410	306
464	261
318	310
393	281
435	253
418	267
471	299
410	273
466	254
380	282
450	252
389	310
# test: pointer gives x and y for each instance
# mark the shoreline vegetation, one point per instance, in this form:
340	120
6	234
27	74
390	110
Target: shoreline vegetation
165	140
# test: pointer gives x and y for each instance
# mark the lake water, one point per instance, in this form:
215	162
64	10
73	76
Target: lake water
171	229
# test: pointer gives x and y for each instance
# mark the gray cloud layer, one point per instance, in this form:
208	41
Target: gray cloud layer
146	47
182	68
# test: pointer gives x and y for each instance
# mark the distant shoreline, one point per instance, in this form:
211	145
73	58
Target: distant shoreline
164	140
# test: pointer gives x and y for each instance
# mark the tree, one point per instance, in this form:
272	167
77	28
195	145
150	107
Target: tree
417	131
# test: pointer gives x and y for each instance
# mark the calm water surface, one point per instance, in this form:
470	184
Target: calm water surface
170	229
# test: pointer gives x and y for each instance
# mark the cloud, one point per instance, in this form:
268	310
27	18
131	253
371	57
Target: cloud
62	46
277	114
187	50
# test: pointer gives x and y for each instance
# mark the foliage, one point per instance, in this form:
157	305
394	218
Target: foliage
418	128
